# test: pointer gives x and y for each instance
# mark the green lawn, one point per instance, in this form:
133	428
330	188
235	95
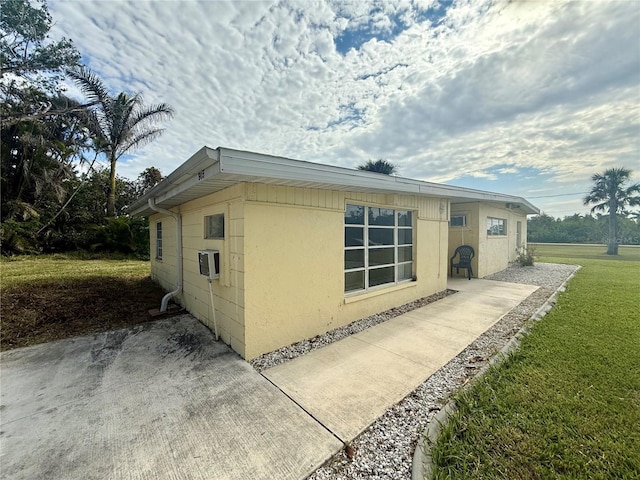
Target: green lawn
576	252
567	404
62	268
50	297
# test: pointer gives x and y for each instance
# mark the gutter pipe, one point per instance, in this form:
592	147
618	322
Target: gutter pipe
178	219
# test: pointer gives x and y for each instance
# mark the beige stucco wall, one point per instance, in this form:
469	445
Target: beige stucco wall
228	290
493	253
468	235
499	251
283	262
163	271
294	259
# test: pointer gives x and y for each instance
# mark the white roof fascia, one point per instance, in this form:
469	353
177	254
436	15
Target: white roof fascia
181	179
241	166
202	175
256	165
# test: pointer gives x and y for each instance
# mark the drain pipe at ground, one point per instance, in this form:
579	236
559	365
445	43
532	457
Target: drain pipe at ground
178	219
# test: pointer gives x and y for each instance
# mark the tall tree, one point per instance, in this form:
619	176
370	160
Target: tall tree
37	164
43	133
379	166
31	65
148	179
609	194
126	123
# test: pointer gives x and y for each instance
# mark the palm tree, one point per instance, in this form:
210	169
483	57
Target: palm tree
125	122
609	194
379	166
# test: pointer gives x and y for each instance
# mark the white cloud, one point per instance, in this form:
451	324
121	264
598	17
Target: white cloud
492	88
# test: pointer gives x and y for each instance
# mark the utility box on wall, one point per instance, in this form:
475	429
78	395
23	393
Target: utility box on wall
209	263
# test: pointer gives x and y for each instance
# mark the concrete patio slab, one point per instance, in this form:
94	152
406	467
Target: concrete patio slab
162	400
338	377
350	383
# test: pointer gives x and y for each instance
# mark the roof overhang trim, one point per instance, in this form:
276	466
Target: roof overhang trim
211	170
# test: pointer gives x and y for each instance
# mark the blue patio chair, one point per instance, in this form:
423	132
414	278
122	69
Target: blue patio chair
465	253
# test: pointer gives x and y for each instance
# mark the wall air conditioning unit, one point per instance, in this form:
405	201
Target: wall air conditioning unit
209	263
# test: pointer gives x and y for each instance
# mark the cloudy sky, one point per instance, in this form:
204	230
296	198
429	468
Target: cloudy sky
521	97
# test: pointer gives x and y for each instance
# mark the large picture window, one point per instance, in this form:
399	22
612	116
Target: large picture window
378	247
496	226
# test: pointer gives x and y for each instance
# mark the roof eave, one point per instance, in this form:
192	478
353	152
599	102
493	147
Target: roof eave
179	180
223	167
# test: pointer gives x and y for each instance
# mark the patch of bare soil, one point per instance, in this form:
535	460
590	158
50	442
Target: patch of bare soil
44	312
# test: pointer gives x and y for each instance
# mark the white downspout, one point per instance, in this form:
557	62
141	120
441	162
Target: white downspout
178	219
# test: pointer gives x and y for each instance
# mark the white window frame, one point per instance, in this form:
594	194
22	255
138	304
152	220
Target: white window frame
159	240
368	248
500	223
458	215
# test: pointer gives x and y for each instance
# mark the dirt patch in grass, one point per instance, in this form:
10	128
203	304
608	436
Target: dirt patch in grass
46	311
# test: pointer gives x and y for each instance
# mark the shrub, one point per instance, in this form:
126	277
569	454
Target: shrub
525	256
19	238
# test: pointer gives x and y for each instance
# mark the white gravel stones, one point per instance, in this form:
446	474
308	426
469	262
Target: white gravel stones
385	449
294	350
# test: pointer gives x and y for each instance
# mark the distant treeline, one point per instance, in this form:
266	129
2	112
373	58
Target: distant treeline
581	229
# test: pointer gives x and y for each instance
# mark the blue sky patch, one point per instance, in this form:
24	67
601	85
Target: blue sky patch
383	71
349	114
435	14
357	35
522	182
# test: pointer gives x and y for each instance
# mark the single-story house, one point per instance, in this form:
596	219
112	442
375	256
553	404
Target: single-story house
304	248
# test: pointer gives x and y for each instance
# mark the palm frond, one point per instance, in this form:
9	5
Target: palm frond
154	113
96	92
379	166
140	140
90	84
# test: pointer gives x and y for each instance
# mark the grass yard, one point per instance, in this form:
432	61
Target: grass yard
576	252
567	404
51	297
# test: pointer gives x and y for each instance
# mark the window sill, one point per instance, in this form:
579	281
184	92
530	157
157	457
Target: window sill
356	297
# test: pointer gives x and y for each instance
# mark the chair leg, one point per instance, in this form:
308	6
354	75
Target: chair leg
470	272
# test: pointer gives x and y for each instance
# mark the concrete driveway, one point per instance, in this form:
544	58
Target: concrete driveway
160	400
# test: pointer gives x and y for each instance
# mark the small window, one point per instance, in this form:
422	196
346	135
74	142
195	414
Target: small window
496	226
458	221
214	226
159	240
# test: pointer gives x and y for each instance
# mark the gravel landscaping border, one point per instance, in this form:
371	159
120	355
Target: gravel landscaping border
385	449
284	354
